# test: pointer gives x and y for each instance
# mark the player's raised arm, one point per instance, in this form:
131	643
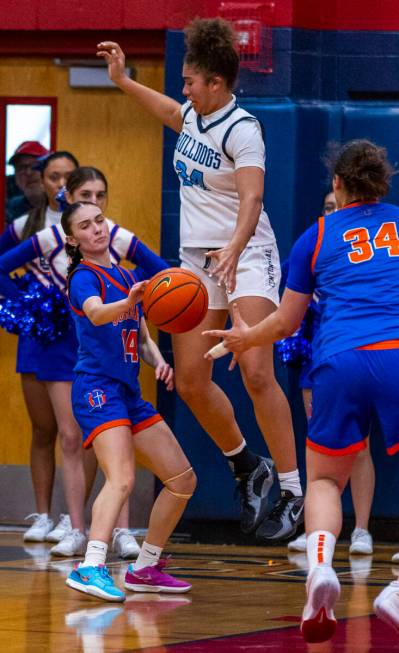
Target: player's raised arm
100	313
159	105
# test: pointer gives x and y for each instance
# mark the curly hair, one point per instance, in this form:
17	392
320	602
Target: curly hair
363	167
211	48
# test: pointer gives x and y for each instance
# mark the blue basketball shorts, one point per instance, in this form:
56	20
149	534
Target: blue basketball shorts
100	403
52	362
305	382
350	390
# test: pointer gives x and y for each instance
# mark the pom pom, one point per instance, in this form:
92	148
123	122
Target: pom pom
61	199
295	350
38	312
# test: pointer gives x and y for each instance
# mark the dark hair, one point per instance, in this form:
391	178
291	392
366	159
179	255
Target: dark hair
74	253
363	167
210	48
82	174
37	216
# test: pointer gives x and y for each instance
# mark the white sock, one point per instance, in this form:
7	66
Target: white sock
237	450
291	481
148	557
96	554
320	547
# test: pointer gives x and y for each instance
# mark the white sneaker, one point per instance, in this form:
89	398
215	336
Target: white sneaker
361	542
299	544
74	543
323	589
386	605
40	528
124	543
395	557
63	527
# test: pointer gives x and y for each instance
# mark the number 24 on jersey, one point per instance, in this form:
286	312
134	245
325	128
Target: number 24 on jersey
363	247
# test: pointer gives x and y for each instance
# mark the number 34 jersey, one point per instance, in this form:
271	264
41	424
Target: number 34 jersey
208	152
356	270
111	349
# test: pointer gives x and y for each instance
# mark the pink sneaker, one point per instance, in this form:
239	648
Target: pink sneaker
154	579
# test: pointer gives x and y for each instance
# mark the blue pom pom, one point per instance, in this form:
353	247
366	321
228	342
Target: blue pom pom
296	350
39	312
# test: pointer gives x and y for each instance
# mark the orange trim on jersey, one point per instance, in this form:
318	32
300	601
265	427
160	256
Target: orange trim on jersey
355	204
146	423
353	448
392	450
320	548
382	344
103	427
77	311
320	235
100	270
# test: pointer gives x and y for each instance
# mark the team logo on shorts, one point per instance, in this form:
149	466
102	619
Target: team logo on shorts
96	398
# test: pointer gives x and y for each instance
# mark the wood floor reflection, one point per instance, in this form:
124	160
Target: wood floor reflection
243	599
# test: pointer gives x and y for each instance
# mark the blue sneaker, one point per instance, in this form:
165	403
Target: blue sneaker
95	581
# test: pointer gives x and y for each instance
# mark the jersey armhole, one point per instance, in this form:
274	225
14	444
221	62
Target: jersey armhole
229	130
102	285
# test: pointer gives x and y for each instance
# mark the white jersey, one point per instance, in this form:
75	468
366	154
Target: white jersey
49	243
208	152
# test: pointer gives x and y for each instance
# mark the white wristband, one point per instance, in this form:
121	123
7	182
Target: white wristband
218	351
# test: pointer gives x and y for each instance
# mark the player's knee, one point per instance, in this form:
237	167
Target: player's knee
257	381
182	486
71	442
189	387
123	484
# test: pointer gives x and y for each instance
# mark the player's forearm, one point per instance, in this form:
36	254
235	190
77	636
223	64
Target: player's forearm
272	328
100	314
159	105
150	353
247	221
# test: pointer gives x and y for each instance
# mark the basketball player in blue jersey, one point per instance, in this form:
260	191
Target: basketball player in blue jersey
352	258
44	253
227	240
114	419
362	480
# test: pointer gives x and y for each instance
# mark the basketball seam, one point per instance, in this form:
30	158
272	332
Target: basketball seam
187	283
185	307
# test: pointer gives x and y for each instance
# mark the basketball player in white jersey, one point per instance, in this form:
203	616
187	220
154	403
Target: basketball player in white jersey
226	238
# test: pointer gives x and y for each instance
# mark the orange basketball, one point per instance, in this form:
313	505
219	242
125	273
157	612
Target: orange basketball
175	300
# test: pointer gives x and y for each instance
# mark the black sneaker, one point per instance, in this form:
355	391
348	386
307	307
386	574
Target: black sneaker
254	489
283	520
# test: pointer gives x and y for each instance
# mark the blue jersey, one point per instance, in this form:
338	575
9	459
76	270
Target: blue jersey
112	349
352	258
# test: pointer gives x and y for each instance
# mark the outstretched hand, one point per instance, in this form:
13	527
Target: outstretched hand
115	59
234	340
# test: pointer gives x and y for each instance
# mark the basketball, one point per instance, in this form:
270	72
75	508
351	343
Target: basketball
175	300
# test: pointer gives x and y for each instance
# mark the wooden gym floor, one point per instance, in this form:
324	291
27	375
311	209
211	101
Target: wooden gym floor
244	599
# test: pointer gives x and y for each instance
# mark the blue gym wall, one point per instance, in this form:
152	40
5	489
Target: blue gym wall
326	86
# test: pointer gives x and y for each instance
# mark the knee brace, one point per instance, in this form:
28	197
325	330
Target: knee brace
174	478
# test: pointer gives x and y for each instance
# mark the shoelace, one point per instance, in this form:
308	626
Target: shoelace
63	522
120	532
37	517
278	509
72	535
